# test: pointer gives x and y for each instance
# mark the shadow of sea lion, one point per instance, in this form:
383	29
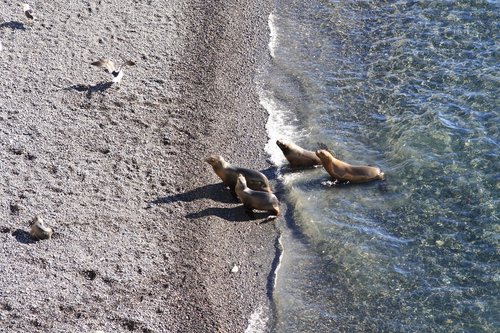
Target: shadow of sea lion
23	237
235	214
216	192
91	89
14	25
78	87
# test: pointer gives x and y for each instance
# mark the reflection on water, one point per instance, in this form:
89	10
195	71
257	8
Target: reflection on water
409	86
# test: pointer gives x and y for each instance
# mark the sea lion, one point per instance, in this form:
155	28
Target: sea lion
39	230
297	156
256	180
259	200
345	172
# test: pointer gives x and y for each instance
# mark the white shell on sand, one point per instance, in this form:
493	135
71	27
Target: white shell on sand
235	269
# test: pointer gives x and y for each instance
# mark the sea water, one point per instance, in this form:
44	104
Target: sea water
413	88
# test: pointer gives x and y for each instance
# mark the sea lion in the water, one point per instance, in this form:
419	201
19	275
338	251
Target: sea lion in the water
256	180
256	199
297	156
344	172
39	230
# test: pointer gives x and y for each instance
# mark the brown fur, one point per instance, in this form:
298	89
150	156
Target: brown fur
297	156
344	172
256	199
229	175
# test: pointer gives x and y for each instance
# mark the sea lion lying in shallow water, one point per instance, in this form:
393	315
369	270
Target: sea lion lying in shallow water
229	175
256	199
297	156
344	172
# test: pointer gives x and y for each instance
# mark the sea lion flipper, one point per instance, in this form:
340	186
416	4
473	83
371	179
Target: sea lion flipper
249	211
257	185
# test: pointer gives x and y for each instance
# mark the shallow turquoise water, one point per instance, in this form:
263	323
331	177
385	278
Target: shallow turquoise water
409	86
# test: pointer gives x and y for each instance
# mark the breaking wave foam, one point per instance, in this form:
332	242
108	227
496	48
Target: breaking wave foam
272	34
257	321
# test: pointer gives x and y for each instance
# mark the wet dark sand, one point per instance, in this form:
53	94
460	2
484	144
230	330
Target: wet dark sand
146	236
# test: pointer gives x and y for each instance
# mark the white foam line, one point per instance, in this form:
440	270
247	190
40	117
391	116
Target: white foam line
257	321
277	128
278	266
273	33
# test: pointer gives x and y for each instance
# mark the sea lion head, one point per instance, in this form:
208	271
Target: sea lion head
284	145
242	180
323	155
215	160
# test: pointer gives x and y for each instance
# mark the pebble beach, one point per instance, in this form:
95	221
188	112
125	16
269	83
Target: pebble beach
146	238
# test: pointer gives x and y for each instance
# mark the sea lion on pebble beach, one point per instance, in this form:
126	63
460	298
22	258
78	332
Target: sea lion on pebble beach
345	172
39	230
297	156
229	175
256	199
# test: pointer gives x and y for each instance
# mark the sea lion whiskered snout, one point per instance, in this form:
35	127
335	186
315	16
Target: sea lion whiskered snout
282	144
321	153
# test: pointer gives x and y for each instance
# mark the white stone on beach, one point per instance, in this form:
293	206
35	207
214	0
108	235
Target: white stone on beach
235	269
28	11
39	230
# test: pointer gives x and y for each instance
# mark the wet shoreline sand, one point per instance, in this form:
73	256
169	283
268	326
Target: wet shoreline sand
146	236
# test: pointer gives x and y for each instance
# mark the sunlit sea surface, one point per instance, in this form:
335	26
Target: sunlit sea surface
411	87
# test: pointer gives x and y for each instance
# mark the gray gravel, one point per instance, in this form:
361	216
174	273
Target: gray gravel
145	235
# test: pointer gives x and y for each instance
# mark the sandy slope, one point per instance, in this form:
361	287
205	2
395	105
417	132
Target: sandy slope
146	236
